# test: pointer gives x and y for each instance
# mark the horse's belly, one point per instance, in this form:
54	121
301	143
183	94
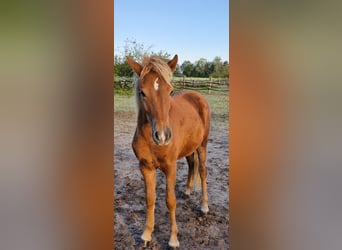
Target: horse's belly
190	146
186	152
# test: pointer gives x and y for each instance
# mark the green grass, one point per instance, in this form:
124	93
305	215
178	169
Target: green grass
123	91
218	102
124	103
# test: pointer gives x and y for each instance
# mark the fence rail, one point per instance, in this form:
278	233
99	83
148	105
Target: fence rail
209	84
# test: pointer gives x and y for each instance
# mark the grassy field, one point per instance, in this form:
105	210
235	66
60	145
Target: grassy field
218	101
123	85
124	103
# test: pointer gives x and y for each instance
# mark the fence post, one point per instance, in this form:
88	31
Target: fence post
183	82
193	83
209	86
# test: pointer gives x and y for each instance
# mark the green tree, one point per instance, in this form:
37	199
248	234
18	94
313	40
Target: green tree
209	69
187	68
200	67
178	71
220	68
226	69
163	54
137	51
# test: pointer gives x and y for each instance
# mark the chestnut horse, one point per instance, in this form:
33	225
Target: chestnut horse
170	126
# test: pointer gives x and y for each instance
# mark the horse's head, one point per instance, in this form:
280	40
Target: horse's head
154	92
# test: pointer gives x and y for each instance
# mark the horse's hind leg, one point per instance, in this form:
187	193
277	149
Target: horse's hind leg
202	154
189	184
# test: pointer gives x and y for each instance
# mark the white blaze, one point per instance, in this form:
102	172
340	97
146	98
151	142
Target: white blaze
156	85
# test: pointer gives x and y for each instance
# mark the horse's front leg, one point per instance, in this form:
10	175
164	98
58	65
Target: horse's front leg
170	174
149	175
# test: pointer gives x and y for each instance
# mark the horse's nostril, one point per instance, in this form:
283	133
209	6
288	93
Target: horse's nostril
168	134
162	137
156	135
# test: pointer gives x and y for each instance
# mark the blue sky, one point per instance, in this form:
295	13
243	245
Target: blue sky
193	29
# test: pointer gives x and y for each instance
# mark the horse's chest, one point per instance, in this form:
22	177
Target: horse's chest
161	156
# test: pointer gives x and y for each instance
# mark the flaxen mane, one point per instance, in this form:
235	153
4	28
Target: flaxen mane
156	64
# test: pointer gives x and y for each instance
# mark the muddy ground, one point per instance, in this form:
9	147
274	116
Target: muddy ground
196	231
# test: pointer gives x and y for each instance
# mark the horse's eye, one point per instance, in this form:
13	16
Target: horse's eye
142	93
172	93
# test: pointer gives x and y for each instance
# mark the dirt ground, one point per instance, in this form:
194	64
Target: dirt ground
196	231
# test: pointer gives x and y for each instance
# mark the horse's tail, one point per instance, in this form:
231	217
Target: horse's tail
196	174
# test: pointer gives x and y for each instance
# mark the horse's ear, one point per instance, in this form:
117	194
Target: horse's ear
173	63
137	68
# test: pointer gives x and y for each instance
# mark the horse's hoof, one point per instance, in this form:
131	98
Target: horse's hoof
205	209
146	239
146	243
187	192
174	243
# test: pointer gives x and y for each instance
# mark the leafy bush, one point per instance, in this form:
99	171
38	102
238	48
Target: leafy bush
118	90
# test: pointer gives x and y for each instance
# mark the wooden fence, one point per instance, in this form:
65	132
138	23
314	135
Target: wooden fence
204	84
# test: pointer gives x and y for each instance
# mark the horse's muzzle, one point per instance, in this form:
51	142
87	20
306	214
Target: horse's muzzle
161	137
